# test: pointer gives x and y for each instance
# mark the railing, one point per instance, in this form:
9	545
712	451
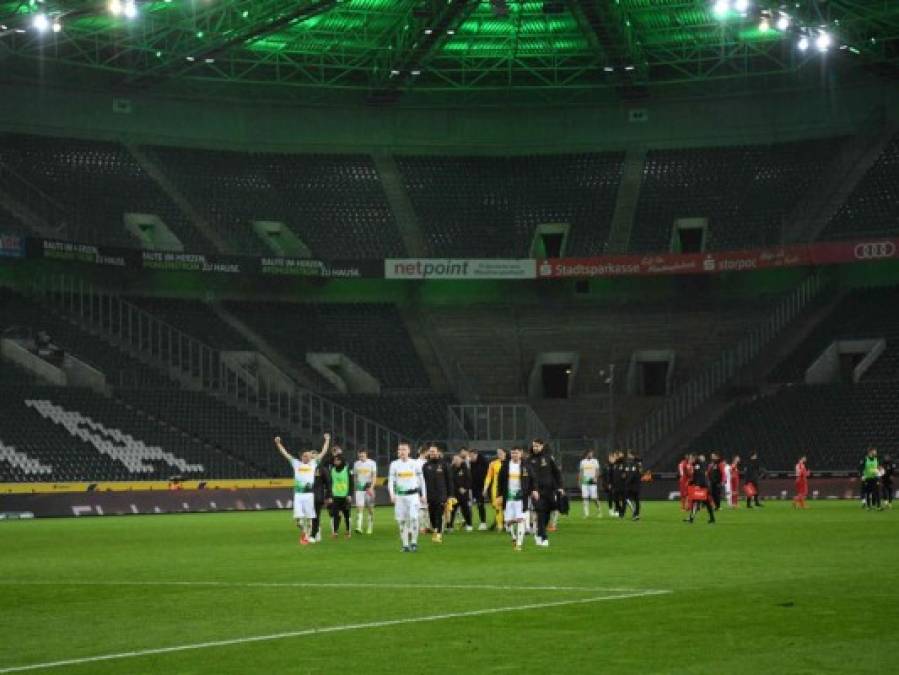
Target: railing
136	331
704	385
494	423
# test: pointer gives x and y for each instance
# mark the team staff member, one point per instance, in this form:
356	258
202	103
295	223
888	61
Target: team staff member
514	484
341	485
699	490
886	480
321	496
713	471
633	483
619	484
490	488
546	486
439	487
607	483
753	474
478	465
461	477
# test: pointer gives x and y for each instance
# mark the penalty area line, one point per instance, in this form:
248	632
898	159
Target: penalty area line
328	629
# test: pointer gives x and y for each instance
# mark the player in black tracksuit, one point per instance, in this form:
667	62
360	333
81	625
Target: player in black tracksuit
478	465
886	481
546	486
439	485
619	484
321	489
461	478
701	480
634	475
752	473
715	478
607	482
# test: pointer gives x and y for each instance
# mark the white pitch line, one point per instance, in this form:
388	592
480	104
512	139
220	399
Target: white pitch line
328	629
315	584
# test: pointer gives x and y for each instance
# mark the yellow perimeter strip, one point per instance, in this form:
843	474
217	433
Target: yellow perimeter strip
129	486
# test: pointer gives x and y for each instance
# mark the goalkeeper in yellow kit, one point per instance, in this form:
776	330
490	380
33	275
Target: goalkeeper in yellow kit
491	486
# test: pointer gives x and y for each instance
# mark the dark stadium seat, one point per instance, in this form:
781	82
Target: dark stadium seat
482	207
97	182
873	207
334	203
196	319
833	424
746	192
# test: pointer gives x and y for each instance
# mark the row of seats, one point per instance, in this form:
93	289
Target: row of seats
96	182
832	424
197	319
873	206
491	206
745	192
418	415
371	334
861	314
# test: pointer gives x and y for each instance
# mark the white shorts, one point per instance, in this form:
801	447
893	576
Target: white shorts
303	505
406	507
589	492
363	499
514	510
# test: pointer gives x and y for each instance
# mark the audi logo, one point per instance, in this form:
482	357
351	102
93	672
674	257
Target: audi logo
875	249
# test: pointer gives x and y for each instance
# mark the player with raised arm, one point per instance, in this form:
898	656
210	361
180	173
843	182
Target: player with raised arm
365	476
304	477
406	487
588	477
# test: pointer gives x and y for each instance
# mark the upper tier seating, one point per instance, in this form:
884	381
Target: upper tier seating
334	203
96	182
195	318
485	207
746	192
873	207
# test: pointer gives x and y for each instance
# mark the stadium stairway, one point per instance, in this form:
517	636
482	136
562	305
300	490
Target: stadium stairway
626	202
155	172
815	211
11	185
406	221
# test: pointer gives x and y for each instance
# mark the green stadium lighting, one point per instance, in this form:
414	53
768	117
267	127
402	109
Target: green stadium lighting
41	23
764	25
721	8
783	22
742	6
823	41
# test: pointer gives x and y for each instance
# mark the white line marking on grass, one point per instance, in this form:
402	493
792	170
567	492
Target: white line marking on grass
327	629
315	584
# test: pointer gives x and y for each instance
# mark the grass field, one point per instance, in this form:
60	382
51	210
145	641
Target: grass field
766	591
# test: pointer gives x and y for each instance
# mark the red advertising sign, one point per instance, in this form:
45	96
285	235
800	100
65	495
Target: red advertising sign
796	255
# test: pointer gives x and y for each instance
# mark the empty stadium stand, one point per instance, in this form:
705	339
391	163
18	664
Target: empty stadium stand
746	192
196	319
862	314
97	182
373	335
490	206
420	415
833	424
9	224
334	203
873	207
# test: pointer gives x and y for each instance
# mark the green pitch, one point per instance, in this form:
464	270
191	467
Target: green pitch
766	591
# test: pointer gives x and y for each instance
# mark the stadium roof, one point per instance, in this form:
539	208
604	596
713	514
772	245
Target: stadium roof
444	51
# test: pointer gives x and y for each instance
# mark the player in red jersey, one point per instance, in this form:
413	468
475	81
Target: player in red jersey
735	482
683	481
802	474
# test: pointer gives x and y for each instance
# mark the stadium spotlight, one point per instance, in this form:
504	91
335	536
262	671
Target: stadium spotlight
41	23
783	22
823	41
115	7
764	25
803	43
57	26
609	69
742	6
720	8
130	9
